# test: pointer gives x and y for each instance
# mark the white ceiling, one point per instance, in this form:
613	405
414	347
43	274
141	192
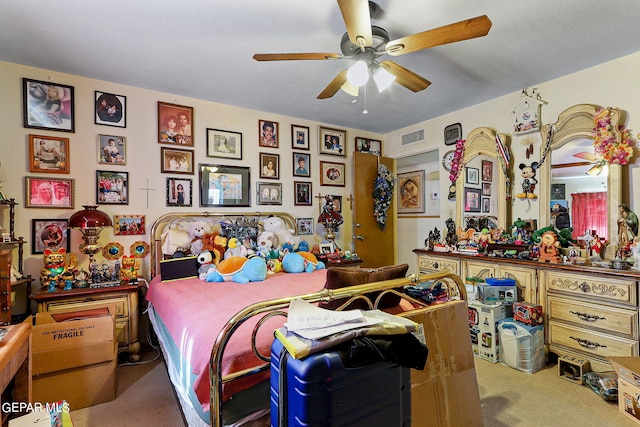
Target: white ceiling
203	49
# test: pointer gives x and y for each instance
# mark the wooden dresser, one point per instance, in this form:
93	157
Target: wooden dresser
124	297
589	312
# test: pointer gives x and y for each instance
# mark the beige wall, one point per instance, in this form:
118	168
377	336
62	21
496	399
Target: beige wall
613	84
143	155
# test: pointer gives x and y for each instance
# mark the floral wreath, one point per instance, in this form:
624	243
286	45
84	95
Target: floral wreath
382	195
457	163
605	144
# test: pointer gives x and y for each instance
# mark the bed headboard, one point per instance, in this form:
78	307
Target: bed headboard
170	230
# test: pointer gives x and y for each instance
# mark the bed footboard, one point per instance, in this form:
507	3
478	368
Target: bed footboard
267	309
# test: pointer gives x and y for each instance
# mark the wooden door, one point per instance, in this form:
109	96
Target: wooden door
376	247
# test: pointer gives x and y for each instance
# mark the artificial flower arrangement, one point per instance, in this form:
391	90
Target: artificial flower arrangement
605	145
382	195
457	163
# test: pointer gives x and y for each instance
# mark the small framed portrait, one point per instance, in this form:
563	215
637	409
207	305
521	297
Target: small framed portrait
369	146
112	188
487	170
224	143
558	191
222	185
48	193
411	192
473	175
486	188
301	162
299	137
268	132
176	161
49	234
332	174
179	192
175	124
302	195
304	226
48	154
486	204
332	141
48	105
112	150
269	193
126	225
336	201
472	199
325	248
269	166
111	109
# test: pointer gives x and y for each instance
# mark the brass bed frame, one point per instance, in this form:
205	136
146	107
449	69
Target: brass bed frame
267	309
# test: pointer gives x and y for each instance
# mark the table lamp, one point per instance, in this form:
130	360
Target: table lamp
90	221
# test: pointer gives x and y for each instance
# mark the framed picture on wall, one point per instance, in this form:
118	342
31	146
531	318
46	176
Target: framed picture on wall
473	175
224	143
112	188
269	193
299	137
558	191
472	199
332	141
302	196
47	105
222	185
49	234
175	124
304	226
49	193
411	192
370	146
48	154
487	171
332	174
301	164
486	204
127	225
486	188
176	161
269	166
179	192
268	132
110	109
112	150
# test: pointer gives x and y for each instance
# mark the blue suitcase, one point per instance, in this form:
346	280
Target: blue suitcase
319	390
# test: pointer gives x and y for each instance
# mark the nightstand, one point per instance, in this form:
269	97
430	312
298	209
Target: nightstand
341	262
124	297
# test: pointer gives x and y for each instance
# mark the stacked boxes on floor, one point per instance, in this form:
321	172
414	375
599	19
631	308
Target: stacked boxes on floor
483	325
74	357
628	370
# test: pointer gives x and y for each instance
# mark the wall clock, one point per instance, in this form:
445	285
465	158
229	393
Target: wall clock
447	160
452	133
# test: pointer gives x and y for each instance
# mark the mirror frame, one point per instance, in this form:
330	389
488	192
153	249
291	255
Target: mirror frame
482	142
577	122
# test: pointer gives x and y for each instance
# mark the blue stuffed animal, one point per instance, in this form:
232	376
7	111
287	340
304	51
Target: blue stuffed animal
298	262
239	269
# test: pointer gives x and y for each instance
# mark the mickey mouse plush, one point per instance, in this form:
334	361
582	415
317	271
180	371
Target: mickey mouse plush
529	181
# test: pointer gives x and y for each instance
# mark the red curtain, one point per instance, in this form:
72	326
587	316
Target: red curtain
589	212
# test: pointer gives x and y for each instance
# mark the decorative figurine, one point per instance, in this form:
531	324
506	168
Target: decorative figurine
627	229
529	181
549	245
56	269
452	237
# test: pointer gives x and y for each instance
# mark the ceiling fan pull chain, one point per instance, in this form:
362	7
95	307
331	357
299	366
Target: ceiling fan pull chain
365	111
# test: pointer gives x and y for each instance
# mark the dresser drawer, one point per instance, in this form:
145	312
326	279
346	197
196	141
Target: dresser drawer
480	270
122	306
592	342
429	264
591	315
599	287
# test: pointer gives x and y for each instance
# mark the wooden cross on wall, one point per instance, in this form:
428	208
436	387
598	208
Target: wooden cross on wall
147	189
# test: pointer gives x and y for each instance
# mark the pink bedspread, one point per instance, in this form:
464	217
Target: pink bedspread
194	312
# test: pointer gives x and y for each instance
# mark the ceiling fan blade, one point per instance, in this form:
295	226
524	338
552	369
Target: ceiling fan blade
463	30
294	56
406	78
334	86
585	155
356	17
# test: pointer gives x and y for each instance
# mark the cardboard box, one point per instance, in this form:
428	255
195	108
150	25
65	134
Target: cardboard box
483	327
628	370
74	357
528	313
521	345
573	368
446	391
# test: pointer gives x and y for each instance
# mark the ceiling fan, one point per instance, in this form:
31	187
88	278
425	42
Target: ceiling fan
365	43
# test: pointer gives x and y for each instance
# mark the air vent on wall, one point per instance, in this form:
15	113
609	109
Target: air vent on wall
413	137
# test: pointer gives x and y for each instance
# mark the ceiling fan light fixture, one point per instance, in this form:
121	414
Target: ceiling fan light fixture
351	89
358	74
383	78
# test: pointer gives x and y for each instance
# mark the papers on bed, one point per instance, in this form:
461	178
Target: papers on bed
310	329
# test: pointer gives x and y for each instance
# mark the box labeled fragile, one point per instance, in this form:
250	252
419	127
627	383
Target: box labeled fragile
528	313
573	368
483	323
497	293
628	370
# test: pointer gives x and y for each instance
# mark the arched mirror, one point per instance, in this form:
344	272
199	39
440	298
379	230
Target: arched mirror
568	180
482	186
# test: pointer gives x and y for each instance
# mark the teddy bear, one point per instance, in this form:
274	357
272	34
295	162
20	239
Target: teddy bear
215	243
529	181
277	226
196	231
